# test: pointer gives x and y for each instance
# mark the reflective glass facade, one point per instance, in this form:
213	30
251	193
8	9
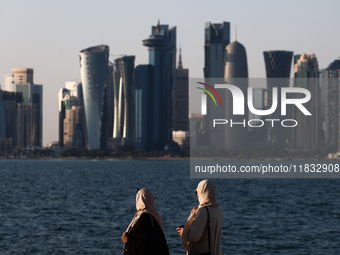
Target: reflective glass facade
162	56
33	93
278	65
217	37
123	92
306	135
94	71
330	114
144	121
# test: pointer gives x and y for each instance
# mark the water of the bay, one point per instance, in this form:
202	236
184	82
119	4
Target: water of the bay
84	206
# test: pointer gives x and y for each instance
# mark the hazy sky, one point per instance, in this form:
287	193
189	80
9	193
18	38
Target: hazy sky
48	35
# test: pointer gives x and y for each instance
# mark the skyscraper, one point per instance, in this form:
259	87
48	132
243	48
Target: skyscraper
278	65
6	142
305	136
330	80
21	81
74	136
236	65
144	96
236	72
181	114
32	93
10	84
2	117
22	75
162	56
217	37
27	122
69	97
94	76
11	100
123	94
109	95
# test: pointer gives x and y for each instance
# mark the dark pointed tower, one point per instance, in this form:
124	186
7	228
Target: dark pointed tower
181	120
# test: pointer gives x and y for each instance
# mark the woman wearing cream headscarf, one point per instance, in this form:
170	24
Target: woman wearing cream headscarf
195	231
145	235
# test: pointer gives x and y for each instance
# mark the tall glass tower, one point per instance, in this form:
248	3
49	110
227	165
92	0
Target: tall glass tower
162	56
330	80
144	88
305	136
123	98
217	37
278	64
94	71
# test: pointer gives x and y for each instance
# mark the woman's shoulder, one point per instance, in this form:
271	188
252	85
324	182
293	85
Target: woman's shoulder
201	212
146	217
212	210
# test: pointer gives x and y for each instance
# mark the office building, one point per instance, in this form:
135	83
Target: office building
144	114
3	128
5	146
22	75
123	94
257	136
162	56
33	94
278	65
72	125
181	113
236	72
329	85
217	37
109	93
27	125
10	84
25	93
236	65
94	75
11	100
74	136
305	136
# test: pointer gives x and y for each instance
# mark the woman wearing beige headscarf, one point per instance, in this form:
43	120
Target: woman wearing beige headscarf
195	232
145	235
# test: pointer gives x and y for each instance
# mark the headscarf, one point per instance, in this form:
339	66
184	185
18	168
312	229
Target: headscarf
145	204
206	191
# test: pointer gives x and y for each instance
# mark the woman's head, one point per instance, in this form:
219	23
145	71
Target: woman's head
144	200
206	193
146	204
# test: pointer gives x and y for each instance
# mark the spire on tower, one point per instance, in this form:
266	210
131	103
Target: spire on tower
158	29
180	66
235	34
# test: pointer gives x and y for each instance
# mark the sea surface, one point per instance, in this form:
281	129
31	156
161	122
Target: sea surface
84	206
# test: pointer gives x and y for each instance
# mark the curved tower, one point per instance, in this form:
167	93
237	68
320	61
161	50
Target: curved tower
236	73
236	61
93	71
123	98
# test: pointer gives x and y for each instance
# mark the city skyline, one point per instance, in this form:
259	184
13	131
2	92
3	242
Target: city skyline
53	36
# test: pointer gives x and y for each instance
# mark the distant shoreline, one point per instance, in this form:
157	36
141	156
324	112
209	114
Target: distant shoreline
173	158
